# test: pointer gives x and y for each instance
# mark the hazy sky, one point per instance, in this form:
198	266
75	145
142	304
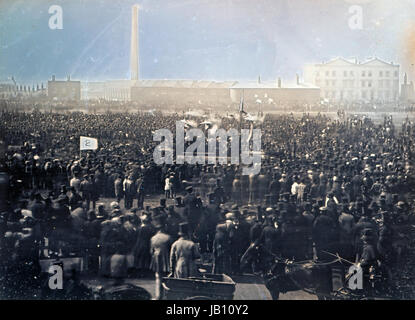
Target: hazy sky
205	39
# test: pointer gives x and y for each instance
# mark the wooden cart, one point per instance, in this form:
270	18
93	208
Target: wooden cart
206	287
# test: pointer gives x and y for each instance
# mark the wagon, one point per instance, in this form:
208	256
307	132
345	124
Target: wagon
205	287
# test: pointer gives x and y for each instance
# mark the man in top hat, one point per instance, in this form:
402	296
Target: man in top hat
160	249
101	214
86	190
172	223
219	192
129	190
37	207
189	200
141	249
183	254
222	249
192	205
140	191
270	235
369	255
180	209
324	234
212	216
118	187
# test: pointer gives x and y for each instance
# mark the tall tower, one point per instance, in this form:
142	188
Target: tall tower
134	65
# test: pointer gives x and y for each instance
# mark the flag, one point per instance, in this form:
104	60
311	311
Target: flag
87	143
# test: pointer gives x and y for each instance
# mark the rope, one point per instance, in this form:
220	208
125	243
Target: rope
314	263
338	257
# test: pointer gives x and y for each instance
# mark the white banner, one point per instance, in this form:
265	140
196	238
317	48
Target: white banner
87	143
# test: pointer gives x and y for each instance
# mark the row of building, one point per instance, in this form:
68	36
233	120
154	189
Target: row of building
336	80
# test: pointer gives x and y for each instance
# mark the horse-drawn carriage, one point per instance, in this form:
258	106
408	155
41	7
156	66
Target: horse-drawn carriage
327	280
205	287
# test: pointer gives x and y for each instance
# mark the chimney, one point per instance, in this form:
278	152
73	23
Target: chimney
134	66
68	78
259	79
53	77
279	82
298	78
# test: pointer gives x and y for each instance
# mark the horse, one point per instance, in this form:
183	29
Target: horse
283	275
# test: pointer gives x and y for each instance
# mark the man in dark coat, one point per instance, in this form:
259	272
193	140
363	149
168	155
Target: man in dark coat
211	218
324	235
141	250
180	209
191	203
222	250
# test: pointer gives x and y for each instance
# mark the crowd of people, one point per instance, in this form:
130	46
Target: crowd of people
326	187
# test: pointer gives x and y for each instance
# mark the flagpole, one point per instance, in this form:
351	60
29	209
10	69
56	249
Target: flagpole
241	107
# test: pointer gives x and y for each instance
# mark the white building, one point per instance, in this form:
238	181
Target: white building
344	80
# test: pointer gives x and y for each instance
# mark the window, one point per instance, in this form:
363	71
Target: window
386	94
327	73
333	73
380	73
396	73
380	83
351	73
327	83
344	73
363	94
363	83
363	73
369	83
369	73
333	83
387	73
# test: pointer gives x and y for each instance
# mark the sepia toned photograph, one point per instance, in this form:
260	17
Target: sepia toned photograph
207	150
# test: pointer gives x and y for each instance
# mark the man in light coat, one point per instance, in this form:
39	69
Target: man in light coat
183	255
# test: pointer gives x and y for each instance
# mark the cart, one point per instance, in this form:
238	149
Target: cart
205	287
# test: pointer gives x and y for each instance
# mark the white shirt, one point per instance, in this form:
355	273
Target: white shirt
294	188
167	184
